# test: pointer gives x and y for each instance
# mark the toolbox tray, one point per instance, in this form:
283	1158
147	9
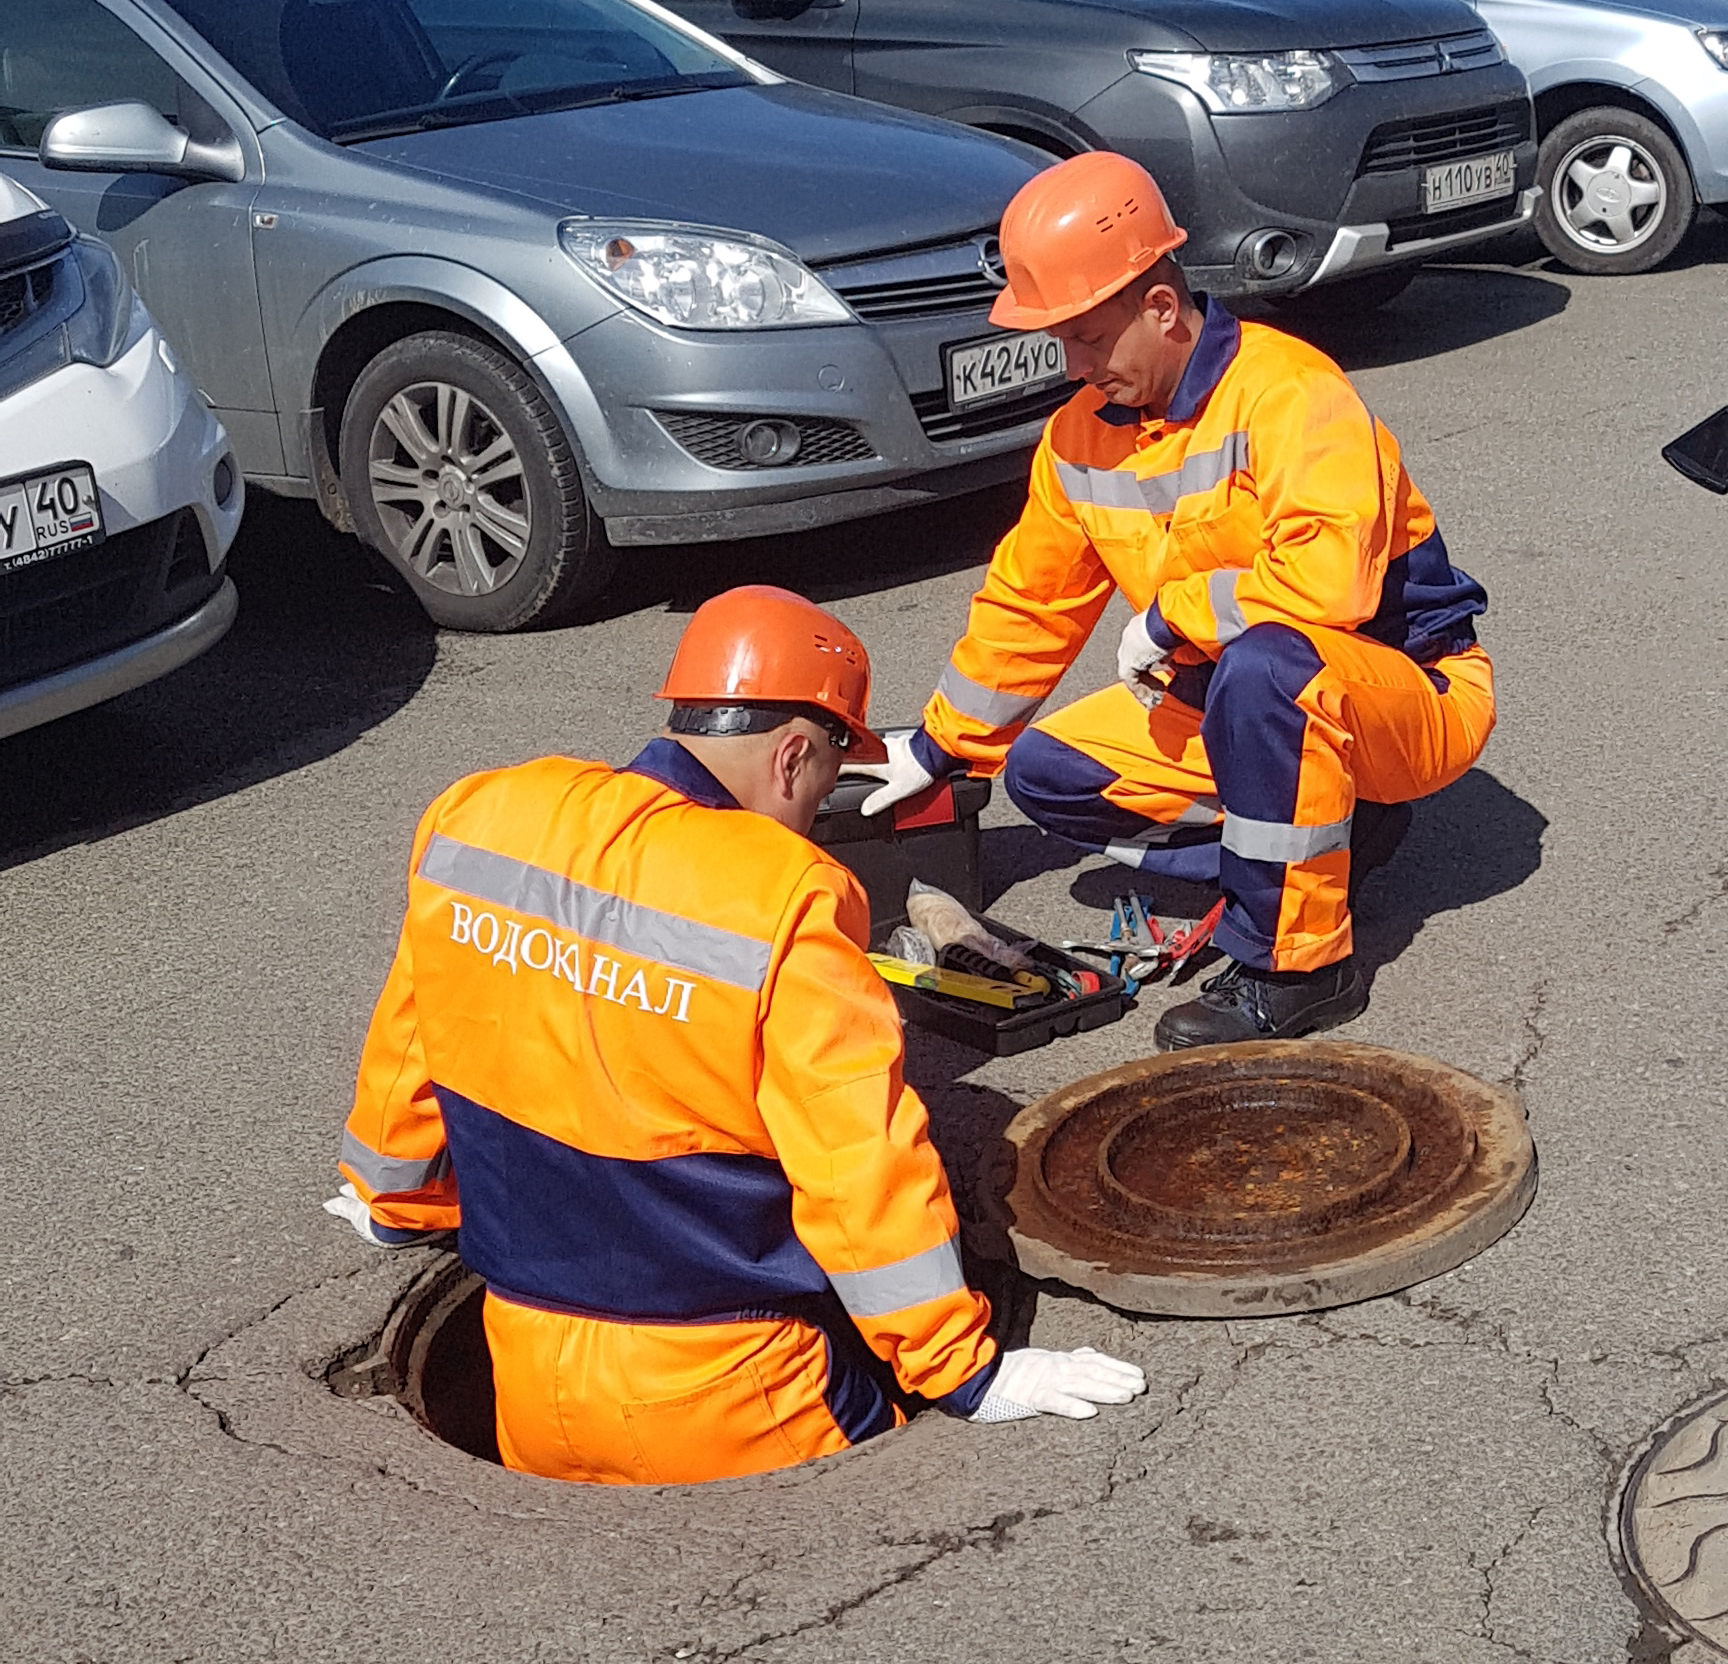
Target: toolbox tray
988	1028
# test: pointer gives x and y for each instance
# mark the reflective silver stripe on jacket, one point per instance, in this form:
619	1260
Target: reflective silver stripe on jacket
1221	591
983	704
1270	840
386	1175
909	1282
1156	493
645	932
1203	811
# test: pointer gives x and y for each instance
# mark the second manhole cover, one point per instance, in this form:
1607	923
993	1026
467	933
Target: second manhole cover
1270	1177
1673	1517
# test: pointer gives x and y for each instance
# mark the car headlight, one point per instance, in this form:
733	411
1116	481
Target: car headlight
103	327
694	279
1234	83
1715	42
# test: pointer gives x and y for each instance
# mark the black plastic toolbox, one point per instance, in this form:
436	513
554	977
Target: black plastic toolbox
988	1028
933	836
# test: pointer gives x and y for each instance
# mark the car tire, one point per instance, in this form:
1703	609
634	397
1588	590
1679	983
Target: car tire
1590	160
1349	294
459	473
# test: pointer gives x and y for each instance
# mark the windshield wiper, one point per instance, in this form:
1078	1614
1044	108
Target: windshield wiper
394	124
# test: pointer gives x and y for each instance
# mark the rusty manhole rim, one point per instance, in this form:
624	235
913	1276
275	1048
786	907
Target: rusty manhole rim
1638	1578
1498	1178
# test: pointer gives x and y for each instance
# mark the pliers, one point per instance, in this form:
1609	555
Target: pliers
1139	948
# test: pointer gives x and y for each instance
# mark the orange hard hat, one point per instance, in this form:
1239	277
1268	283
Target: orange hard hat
1076	234
762	645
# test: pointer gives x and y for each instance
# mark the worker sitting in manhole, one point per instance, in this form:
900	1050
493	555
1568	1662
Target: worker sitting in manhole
1302	660
631	1022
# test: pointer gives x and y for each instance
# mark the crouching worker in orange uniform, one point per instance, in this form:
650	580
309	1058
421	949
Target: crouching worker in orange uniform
1302	660
632	1048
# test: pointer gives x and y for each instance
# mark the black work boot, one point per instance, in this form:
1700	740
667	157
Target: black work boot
1244	1004
1376	831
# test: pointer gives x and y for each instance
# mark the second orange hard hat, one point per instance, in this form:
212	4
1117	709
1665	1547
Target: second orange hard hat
759	644
1076	234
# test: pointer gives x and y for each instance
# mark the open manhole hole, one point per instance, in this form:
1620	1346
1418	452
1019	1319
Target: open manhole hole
432	1357
1269	1177
1673	1522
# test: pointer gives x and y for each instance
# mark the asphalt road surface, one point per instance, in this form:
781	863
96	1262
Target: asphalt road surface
202	882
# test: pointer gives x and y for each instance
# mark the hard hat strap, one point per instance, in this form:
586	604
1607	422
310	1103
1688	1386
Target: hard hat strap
762	717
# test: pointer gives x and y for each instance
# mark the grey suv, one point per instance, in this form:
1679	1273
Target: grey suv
1301	142
507	284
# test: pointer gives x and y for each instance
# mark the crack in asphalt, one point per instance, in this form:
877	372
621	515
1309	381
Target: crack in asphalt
1535	1038
1490	1588
1719	876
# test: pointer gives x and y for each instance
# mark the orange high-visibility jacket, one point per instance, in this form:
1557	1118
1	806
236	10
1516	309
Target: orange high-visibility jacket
1268	493
632	1045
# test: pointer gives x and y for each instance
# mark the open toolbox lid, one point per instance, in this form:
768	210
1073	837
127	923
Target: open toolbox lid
949	802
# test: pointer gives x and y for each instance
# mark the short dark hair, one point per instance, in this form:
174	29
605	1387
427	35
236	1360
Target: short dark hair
1166	272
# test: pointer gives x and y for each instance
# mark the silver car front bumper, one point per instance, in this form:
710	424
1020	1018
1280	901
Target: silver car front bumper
81	685
1359	248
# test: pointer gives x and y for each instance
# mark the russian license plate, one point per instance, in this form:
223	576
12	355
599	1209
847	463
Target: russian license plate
1480	179
48	514
980	372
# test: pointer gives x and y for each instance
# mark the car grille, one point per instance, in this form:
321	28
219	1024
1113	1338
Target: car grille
713	439
941	423
1479	216
74	607
23	294
1395	145
919	283
1411	60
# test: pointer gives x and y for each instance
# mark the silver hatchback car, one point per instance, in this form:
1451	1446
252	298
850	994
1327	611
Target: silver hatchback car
1632	113
510	284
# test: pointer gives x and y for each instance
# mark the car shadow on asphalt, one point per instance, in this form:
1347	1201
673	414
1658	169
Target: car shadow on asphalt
828	564
324	649
1446	309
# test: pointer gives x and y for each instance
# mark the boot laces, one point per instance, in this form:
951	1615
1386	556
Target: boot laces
1235	986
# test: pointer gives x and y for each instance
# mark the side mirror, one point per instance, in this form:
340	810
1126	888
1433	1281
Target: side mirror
134	138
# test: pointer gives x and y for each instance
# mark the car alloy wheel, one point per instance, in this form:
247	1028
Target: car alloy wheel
459	471
1617	196
447	484
1609	194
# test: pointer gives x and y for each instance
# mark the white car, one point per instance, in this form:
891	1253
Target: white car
119	494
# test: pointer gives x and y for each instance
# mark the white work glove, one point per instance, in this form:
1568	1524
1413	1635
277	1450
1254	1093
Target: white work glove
1034	1382
903	774
1137	658
346	1204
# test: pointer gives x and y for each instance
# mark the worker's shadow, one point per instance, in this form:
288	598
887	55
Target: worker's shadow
967	1126
1475	840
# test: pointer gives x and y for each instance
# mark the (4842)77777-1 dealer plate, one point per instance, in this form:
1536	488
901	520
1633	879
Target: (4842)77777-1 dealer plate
48	513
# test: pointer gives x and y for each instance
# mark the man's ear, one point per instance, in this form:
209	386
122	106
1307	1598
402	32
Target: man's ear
789	759
1164	306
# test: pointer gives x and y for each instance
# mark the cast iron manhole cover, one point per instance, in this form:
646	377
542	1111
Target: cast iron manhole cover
1269	1177
1673	1517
